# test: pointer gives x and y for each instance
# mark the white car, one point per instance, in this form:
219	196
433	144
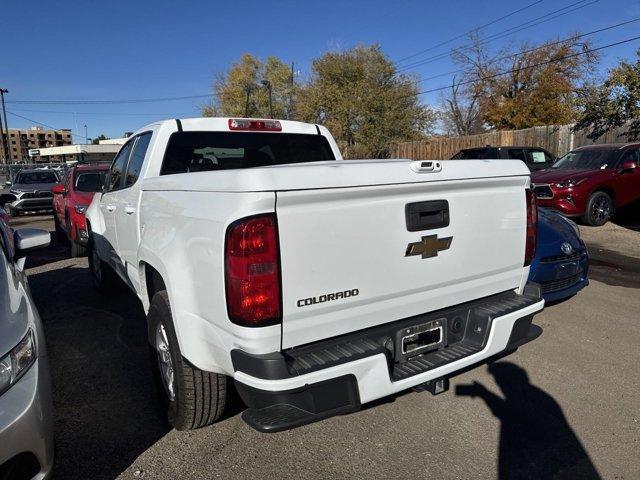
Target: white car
317	284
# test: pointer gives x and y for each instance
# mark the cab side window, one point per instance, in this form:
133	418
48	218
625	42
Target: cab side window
516	153
137	158
116	172
632	155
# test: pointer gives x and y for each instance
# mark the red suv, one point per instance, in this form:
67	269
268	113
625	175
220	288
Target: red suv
71	199
591	182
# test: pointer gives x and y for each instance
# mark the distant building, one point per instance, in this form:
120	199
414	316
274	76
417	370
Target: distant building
113	141
75	153
23	140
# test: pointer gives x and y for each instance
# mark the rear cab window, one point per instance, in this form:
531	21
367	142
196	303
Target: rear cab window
206	151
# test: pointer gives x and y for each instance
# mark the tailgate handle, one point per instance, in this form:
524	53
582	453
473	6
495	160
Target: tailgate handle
427	215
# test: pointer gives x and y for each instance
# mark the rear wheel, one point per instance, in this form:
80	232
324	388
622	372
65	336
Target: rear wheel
103	277
77	250
599	209
193	398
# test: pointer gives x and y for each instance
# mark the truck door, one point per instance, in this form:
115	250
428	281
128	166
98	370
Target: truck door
126	214
107	243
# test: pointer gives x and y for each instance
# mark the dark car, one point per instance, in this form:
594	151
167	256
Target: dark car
535	158
31	191
591	182
561	264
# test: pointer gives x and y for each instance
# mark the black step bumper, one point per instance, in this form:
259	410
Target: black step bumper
467	327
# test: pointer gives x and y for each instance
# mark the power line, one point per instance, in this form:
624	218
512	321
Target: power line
468	32
510	31
547	62
546	45
108	102
42	124
59	112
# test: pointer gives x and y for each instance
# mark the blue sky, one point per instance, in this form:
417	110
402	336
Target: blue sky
85	50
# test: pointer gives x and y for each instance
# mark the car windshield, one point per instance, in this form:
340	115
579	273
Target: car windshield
596	159
90	181
29	178
204	151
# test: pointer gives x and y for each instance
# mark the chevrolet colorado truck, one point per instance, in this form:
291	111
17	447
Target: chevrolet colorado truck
317	284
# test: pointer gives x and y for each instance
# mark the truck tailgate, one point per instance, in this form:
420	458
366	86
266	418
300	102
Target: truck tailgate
349	261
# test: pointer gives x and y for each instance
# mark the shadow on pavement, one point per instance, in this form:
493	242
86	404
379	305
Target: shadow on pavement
106	408
536	441
613	268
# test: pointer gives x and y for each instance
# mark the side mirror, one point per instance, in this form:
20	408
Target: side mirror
58	189
628	165
28	239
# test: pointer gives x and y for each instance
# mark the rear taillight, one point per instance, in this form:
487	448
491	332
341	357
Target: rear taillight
532	227
252	272
246	124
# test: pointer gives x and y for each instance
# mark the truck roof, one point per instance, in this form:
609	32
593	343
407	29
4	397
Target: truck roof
221	124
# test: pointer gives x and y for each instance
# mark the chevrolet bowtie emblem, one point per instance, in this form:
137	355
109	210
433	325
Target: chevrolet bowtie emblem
429	246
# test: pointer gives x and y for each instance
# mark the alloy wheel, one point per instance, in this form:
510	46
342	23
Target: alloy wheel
601	209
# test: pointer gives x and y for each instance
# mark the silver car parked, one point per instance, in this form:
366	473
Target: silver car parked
26	411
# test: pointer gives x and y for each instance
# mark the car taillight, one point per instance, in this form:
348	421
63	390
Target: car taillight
245	124
252	272
532	227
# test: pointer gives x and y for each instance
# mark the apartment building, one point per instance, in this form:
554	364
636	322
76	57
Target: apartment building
23	140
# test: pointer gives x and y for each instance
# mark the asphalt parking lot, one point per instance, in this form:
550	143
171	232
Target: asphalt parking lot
564	406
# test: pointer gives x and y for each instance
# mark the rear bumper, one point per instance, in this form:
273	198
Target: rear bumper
306	384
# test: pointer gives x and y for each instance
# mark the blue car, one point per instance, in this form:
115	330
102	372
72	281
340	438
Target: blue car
561	264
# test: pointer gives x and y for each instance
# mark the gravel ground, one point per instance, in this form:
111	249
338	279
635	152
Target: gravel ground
564	406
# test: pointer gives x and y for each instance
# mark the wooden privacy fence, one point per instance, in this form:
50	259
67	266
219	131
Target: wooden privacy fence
558	139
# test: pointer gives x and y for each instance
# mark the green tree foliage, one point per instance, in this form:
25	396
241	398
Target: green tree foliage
359	97
244	89
96	140
615	103
539	87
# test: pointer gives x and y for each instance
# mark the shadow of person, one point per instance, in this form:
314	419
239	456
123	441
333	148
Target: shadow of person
536	440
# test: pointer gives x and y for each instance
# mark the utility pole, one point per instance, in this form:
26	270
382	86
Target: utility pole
4	145
291	93
5	138
86	137
267	84
246	105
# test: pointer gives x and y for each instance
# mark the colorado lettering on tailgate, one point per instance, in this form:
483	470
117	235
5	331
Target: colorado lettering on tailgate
327	297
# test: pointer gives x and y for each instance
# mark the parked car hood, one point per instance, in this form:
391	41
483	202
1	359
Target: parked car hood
555	229
13	308
32	187
551	175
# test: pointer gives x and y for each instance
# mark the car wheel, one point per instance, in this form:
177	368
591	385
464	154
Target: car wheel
193	398
77	250
599	209
104	278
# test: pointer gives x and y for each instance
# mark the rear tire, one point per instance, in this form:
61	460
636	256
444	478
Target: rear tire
193	398
77	250
104	278
599	209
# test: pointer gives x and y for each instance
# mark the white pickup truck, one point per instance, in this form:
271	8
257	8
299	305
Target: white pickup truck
318	284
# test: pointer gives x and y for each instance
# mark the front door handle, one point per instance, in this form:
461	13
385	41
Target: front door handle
129	210
111	208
